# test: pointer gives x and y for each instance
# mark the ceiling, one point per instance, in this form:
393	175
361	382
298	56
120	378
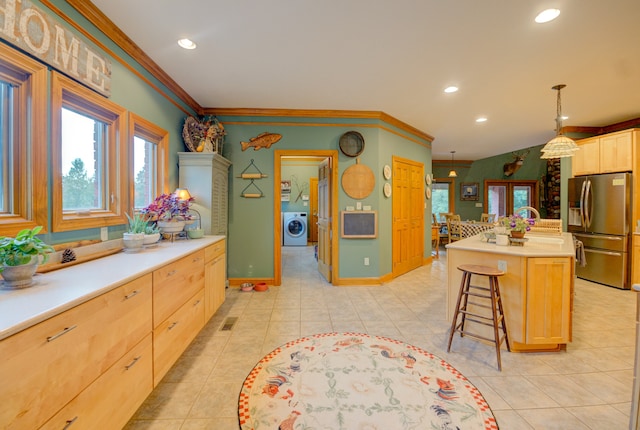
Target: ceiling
398	56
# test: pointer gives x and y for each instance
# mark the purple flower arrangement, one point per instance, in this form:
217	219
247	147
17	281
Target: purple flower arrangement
167	207
518	223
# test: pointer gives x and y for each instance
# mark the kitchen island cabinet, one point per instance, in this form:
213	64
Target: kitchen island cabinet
537	288
87	344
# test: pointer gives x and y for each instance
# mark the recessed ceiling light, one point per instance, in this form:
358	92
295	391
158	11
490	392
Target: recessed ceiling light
547	15
451	89
481	119
187	44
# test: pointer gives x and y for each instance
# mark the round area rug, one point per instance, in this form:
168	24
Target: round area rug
358	381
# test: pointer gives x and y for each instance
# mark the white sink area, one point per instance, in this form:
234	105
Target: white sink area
555	240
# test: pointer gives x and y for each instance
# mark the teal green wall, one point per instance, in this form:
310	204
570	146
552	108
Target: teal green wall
251	220
478	171
133	93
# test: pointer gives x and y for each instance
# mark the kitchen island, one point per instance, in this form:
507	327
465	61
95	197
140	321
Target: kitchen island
537	288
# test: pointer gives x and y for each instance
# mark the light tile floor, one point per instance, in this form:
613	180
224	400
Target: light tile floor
586	387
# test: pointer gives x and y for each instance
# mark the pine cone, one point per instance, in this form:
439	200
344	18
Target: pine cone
68	255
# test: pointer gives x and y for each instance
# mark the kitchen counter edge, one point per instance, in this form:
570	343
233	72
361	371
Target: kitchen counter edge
57	291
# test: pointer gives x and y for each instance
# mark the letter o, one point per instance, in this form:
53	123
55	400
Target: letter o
26	15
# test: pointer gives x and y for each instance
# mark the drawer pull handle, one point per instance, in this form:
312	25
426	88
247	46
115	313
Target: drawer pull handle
69	423
173	272
173	325
133	363
57	335
195	260
132	294
196	303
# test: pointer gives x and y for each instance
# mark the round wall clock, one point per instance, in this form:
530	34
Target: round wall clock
351	144
386	171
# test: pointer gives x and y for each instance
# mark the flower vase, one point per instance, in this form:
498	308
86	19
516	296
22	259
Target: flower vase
517	234
171	226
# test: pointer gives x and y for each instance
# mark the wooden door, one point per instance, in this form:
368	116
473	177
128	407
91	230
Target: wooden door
324	219
313	210
408	216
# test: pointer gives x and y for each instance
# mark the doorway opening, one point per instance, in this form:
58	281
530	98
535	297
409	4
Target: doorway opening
320	218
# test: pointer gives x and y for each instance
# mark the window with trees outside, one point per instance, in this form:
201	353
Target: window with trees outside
23	110
442	196
150	160
90	167
503	197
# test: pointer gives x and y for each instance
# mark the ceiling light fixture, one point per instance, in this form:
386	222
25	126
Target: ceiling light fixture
547	15
481	119
452	172
187	43
451	89
560	146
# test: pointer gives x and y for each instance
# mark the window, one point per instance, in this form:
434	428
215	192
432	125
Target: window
150	160
442	196
90	167
503	197
23	125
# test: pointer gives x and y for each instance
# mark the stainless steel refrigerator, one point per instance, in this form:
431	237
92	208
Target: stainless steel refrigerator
600	217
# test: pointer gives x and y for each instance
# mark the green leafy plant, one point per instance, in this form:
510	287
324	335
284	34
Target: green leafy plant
151	229
137	223
21	249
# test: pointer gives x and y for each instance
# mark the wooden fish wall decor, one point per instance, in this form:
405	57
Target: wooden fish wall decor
263	140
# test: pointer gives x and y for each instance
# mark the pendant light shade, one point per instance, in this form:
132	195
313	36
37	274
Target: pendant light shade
560	146
452	172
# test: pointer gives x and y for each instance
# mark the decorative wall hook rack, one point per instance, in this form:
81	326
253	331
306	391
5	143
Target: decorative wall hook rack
247	195
252	175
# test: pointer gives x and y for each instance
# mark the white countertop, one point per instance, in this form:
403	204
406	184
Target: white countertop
57	291
536	246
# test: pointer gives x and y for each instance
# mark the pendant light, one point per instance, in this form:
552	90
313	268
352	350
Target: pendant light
452	172
560	146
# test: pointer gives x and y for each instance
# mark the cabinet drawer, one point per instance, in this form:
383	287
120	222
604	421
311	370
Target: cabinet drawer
50	363
213	251
172	337
175	283
114	397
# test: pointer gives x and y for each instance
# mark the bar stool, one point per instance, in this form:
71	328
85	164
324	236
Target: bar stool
492	293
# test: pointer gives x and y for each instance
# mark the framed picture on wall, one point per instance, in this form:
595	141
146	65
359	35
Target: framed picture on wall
469	191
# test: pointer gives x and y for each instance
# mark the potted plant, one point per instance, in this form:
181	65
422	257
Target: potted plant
151	234
517	225
133	239
169	212
20	256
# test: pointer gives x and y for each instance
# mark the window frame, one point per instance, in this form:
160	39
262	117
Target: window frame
140	127
30	186
452	192
510	184
70	94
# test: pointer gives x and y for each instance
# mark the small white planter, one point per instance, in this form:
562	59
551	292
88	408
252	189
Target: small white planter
19	276
171	226
133	241
150	239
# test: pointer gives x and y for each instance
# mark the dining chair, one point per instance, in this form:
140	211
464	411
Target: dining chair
453	227
487	217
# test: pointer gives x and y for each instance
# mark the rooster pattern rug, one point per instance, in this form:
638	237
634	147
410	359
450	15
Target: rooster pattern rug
357	381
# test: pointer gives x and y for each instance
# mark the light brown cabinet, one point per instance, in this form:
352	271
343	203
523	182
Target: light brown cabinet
536	292
607	153
549	298
214	278
95	363
635	268
49	364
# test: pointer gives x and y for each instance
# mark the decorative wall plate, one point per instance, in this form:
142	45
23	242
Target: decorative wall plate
351	144
386	171
387	189
427	193
427	179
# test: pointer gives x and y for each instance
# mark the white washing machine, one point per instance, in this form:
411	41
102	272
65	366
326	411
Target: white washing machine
294	229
